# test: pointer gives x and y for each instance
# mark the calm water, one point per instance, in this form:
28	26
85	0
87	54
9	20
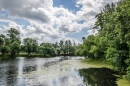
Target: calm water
58	71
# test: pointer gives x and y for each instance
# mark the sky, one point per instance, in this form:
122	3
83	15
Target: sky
51	20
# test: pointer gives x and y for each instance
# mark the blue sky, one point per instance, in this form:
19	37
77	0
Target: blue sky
71	5
68	4
50	20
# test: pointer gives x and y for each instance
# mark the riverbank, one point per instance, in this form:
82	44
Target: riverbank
100	63
6	57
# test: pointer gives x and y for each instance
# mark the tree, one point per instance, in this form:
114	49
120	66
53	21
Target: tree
61	45
57	48
15	48
5	49
83	38
13	41
66	49
30	46
4	44
113	25
113	39
14	35
2	39
47	49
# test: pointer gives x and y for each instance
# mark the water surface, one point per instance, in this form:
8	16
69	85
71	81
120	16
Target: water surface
58	71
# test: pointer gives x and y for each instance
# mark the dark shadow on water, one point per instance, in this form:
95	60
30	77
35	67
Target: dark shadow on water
98	77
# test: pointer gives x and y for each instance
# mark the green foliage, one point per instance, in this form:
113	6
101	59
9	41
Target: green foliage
94	51
47	49
111	53
127	76
14	35
87	48
15	48
113	39
2	39
65	47
30	46
12	44
113	22
5	49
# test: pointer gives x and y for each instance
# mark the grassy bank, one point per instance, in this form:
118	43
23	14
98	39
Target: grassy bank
101	63
97	63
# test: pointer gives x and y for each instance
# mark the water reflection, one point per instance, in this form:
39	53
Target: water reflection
7	72
20	80
3	74
98	76
58	71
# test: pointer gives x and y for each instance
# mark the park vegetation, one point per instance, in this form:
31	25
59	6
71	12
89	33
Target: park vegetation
11	45
112	43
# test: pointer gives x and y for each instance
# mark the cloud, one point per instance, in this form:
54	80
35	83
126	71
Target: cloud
38	10
77	6
66	21
45	29
6	21
88	11
49	23
92	32
90	8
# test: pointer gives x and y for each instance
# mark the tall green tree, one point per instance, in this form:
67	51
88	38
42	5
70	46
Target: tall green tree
4	44
14	40
61	45
30	46
47	49
15	48
113	24
5	49
14	35
2	39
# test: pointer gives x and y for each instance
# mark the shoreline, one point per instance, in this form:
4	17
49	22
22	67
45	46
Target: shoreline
7	57
100	63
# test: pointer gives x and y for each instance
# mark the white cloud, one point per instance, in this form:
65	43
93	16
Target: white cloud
49	23
31	9
92	32
90	8
6	21
77	6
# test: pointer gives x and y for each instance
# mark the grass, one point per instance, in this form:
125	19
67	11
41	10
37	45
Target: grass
97	63
101	63
123	82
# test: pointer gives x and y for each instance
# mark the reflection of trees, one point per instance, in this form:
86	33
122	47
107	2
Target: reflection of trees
3	73
11	74
98	76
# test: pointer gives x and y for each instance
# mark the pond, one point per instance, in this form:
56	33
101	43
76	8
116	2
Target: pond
57	71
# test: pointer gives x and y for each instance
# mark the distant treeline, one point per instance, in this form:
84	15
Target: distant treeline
10	44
